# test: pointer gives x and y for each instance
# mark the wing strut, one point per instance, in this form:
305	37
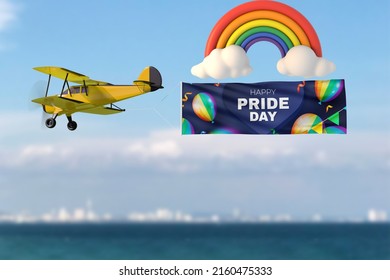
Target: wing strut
70	93
48	85
65	81
114	107
85	86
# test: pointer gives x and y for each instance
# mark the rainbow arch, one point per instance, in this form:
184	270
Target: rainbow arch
258	21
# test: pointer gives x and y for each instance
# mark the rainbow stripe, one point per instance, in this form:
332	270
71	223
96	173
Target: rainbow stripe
258	21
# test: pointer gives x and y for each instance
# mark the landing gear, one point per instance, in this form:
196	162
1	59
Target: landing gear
51	123
72	125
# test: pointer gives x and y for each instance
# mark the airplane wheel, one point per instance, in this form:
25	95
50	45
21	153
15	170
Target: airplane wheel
51	123
72	125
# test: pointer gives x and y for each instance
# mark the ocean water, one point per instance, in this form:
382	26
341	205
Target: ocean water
196	242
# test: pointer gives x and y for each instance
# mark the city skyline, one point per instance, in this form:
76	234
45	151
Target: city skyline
87	214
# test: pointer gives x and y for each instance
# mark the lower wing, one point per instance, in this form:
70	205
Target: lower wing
103	111
62	105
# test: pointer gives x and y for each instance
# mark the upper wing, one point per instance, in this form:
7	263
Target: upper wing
71	76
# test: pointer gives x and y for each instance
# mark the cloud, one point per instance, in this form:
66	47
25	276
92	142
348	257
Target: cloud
33	148
159	149
164	168
302	61
233	62
230	62
167	151
7	13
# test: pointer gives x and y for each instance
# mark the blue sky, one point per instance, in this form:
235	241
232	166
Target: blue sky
137	161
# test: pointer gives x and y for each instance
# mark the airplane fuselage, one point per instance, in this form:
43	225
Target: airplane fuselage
92	96
104	95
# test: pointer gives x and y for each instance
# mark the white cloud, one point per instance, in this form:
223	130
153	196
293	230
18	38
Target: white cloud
230	62
164	149
168	151
231	169
37	151
233	62
302	61
7	13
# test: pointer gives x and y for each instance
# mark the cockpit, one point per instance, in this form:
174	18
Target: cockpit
74	90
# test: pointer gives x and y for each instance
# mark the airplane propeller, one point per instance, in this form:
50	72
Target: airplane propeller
38	90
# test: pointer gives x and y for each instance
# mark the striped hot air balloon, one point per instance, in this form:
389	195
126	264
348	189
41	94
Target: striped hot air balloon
204	107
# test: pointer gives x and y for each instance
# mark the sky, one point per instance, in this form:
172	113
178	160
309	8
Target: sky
137	161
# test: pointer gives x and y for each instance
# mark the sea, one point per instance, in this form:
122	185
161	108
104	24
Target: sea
195	242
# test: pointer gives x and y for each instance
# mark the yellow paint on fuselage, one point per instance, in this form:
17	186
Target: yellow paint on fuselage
104	95
96	96
49	109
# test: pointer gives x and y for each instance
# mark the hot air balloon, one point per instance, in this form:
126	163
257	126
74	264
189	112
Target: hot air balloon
328	90
308	124
204	107
186	127
335	130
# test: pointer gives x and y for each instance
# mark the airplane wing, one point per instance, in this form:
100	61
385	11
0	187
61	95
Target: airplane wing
63	105
71	76
60	102
69	106
102	111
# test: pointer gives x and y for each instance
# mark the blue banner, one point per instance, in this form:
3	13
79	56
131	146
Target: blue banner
312	107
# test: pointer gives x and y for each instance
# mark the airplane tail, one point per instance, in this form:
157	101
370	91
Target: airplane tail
150	76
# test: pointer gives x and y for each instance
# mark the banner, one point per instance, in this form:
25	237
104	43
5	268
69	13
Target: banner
312	107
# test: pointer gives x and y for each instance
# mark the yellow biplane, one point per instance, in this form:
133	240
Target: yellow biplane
91	96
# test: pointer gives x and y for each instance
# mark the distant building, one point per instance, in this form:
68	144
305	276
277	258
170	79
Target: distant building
79	215
284	218
376	216
164	215
316	218
236	214
63	216
265	219
215	219
107	217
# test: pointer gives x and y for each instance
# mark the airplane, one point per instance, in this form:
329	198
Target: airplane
91	96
